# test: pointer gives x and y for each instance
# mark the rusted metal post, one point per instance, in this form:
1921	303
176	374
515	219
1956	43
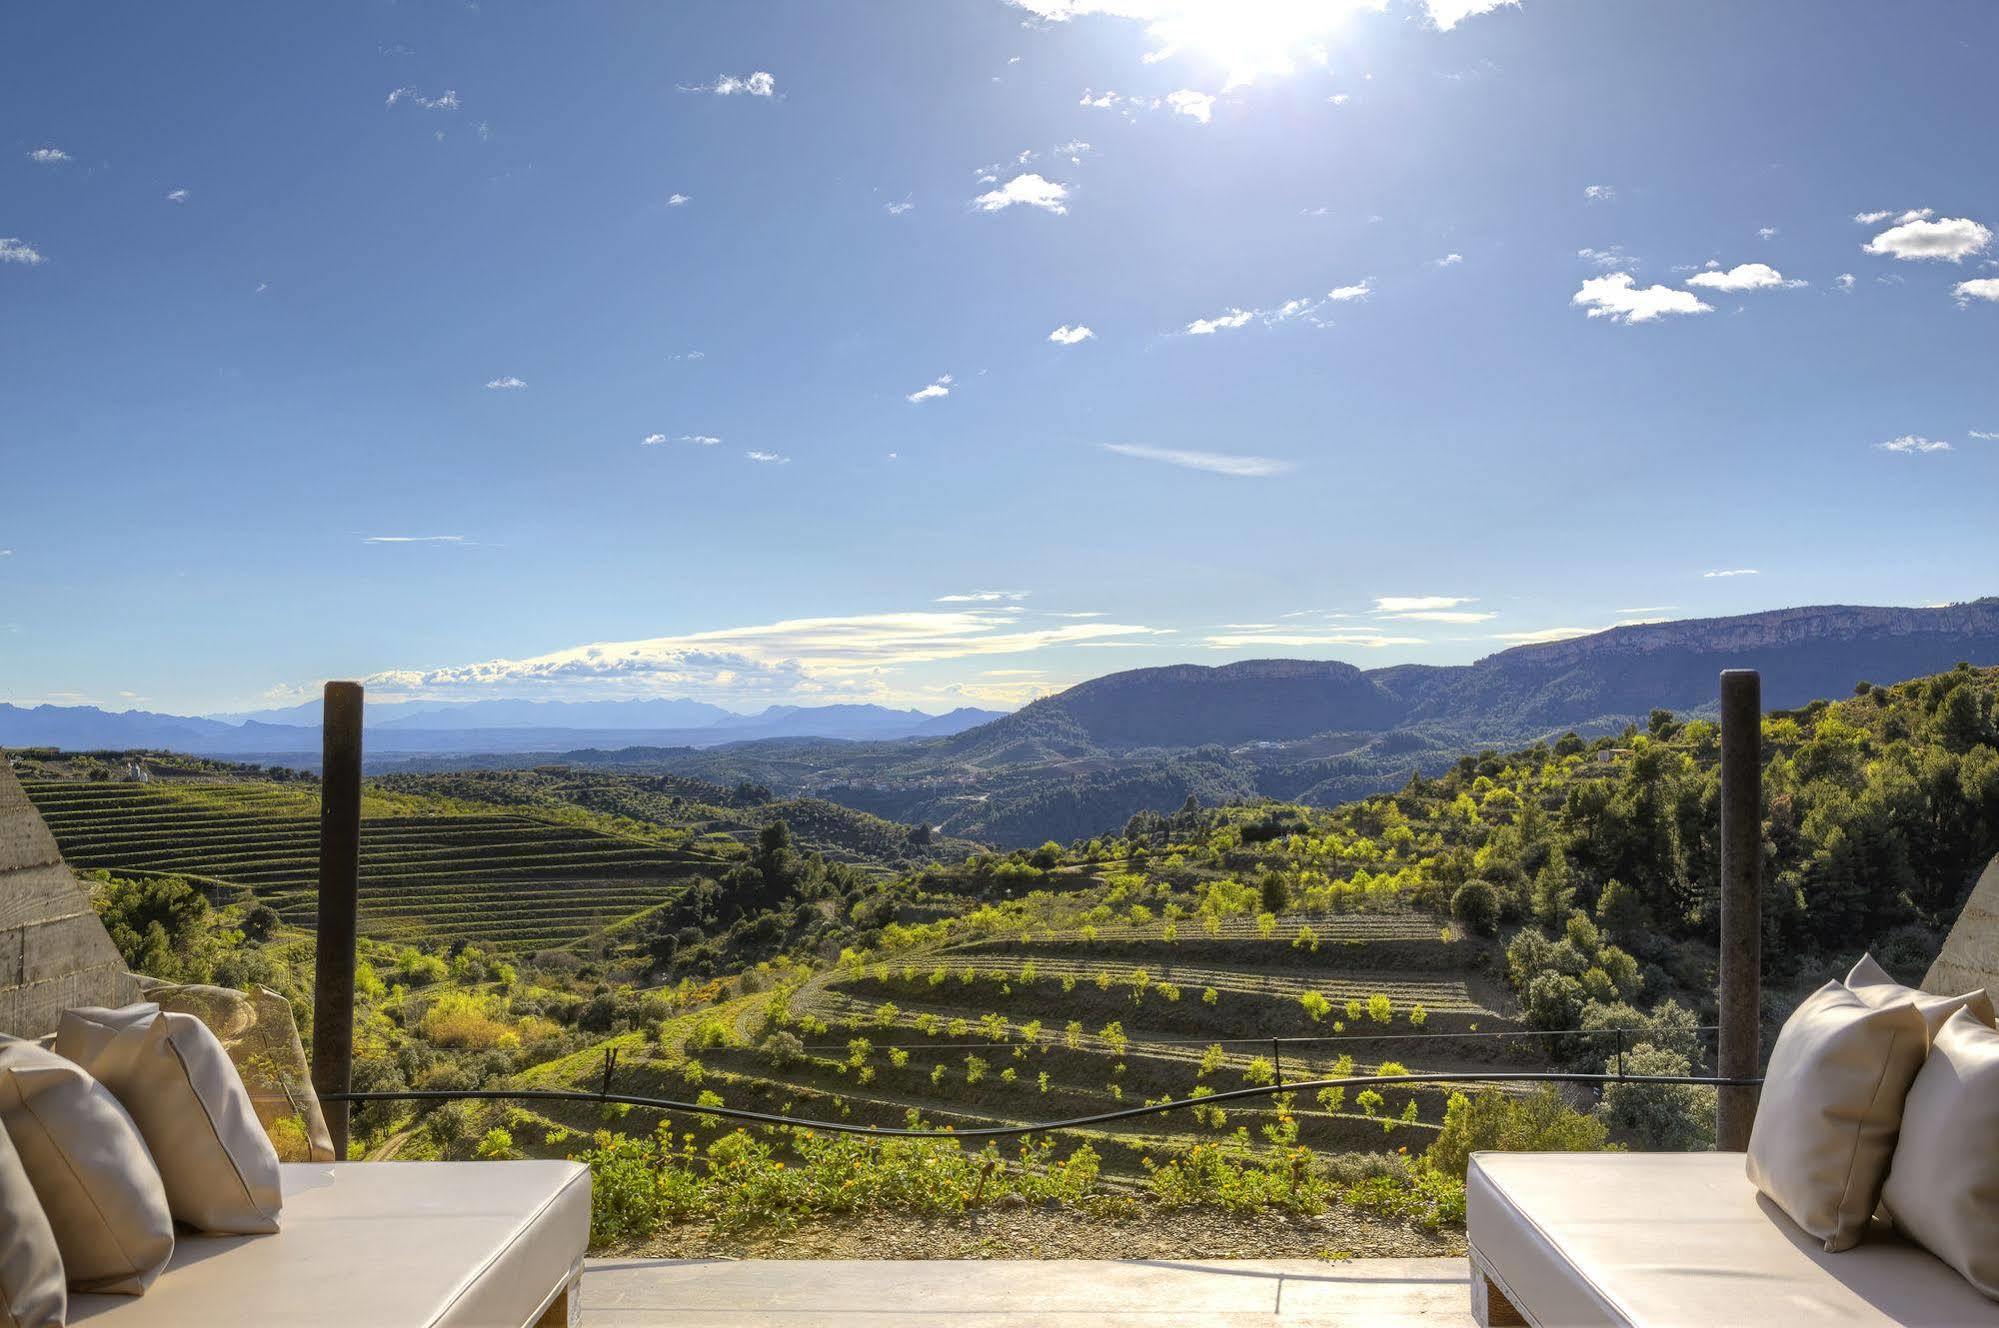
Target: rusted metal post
339	903
1740	1050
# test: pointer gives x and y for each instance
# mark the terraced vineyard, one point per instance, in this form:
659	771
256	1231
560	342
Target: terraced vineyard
1006	1031
505	880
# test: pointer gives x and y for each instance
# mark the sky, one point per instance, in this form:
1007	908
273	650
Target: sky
948	352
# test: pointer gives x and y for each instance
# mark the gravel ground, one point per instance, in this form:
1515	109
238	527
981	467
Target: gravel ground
1140	1232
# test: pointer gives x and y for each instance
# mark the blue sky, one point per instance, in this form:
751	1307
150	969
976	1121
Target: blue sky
332	338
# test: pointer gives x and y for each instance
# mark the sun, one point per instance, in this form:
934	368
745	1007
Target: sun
1252	39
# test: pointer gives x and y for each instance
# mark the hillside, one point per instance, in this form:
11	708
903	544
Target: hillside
1323	732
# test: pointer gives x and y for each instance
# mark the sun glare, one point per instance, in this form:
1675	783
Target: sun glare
1252	39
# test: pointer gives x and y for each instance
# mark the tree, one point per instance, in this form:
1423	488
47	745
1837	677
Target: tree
1476	905
1275	892
1554	891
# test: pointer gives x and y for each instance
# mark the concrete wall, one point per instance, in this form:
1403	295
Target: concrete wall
54	953
1970	954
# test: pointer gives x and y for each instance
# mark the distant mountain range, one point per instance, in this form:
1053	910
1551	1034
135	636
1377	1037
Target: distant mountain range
471	727
1317	731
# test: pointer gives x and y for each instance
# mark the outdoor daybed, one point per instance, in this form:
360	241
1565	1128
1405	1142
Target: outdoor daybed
395	1244
1680	1238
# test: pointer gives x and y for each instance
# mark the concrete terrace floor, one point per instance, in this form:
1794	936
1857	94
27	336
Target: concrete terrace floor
1016	1293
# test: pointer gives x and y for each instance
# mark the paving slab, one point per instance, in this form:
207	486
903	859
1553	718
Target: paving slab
1016	1293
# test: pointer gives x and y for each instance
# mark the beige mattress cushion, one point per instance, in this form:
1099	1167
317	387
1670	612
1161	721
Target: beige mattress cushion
1943	1186
1830	1109
409	1244
172	1075
258	1031
32	1294
89	1168
1871	983
1684	1239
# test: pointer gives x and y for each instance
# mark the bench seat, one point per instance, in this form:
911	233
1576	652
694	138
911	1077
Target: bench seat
385	1244
1680	1238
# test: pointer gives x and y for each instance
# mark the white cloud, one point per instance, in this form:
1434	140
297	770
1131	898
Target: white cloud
14	250
940	387
48	156
1419	603
1203	327
1340	98
1952	239
768	458
177	196
678	200
695	439
689	355
1744	277
805	657
1296	640
1913	444
1599	193
1448	260
759	84
1875	218
1845	281
1030	189
897	209
1218	463
1546	635
1199	105
1443	616
446	101
1652	608
1981	288
1341	294
413	539
985	597
507	384
1066	335
1447	14
1101	101
1767	233
653	440
1606	258
1733	571
1619	299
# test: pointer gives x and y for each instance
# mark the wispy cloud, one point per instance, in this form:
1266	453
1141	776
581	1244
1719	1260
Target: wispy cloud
695	439
1876	218
1986	435
1307	307
49	156
177	196
759	84
804	657
897	209
1621	300
1844	283
1066	335
506	384
1029	189
1613	256
1744	277
1766	233
1447	14
13	250
1951	239
445	101
1218	463
1913	444
1419	603
768	458
1443	616
1733	571
985	597
1599	193
1448	260
413	539
1545	635
678	200
939	387
689	355
1651	608
1307	639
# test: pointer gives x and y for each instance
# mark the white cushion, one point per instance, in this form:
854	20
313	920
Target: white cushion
1830	1108
1943	1186
1871	983
172	1075
1683	1239
32	1294
408	1244
89	1168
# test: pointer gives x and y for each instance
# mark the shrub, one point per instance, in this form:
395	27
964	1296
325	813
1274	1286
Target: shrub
782	1050
1316	1005
1380	1008
1209	996
1476	906
1539	1122
1306	939
1418	1016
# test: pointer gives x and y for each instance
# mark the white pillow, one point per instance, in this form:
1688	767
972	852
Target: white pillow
171	1073
32	1294
1871	983
1943	1186
1830	1110
90	1169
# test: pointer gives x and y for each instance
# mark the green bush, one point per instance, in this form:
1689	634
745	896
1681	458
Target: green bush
1476	906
